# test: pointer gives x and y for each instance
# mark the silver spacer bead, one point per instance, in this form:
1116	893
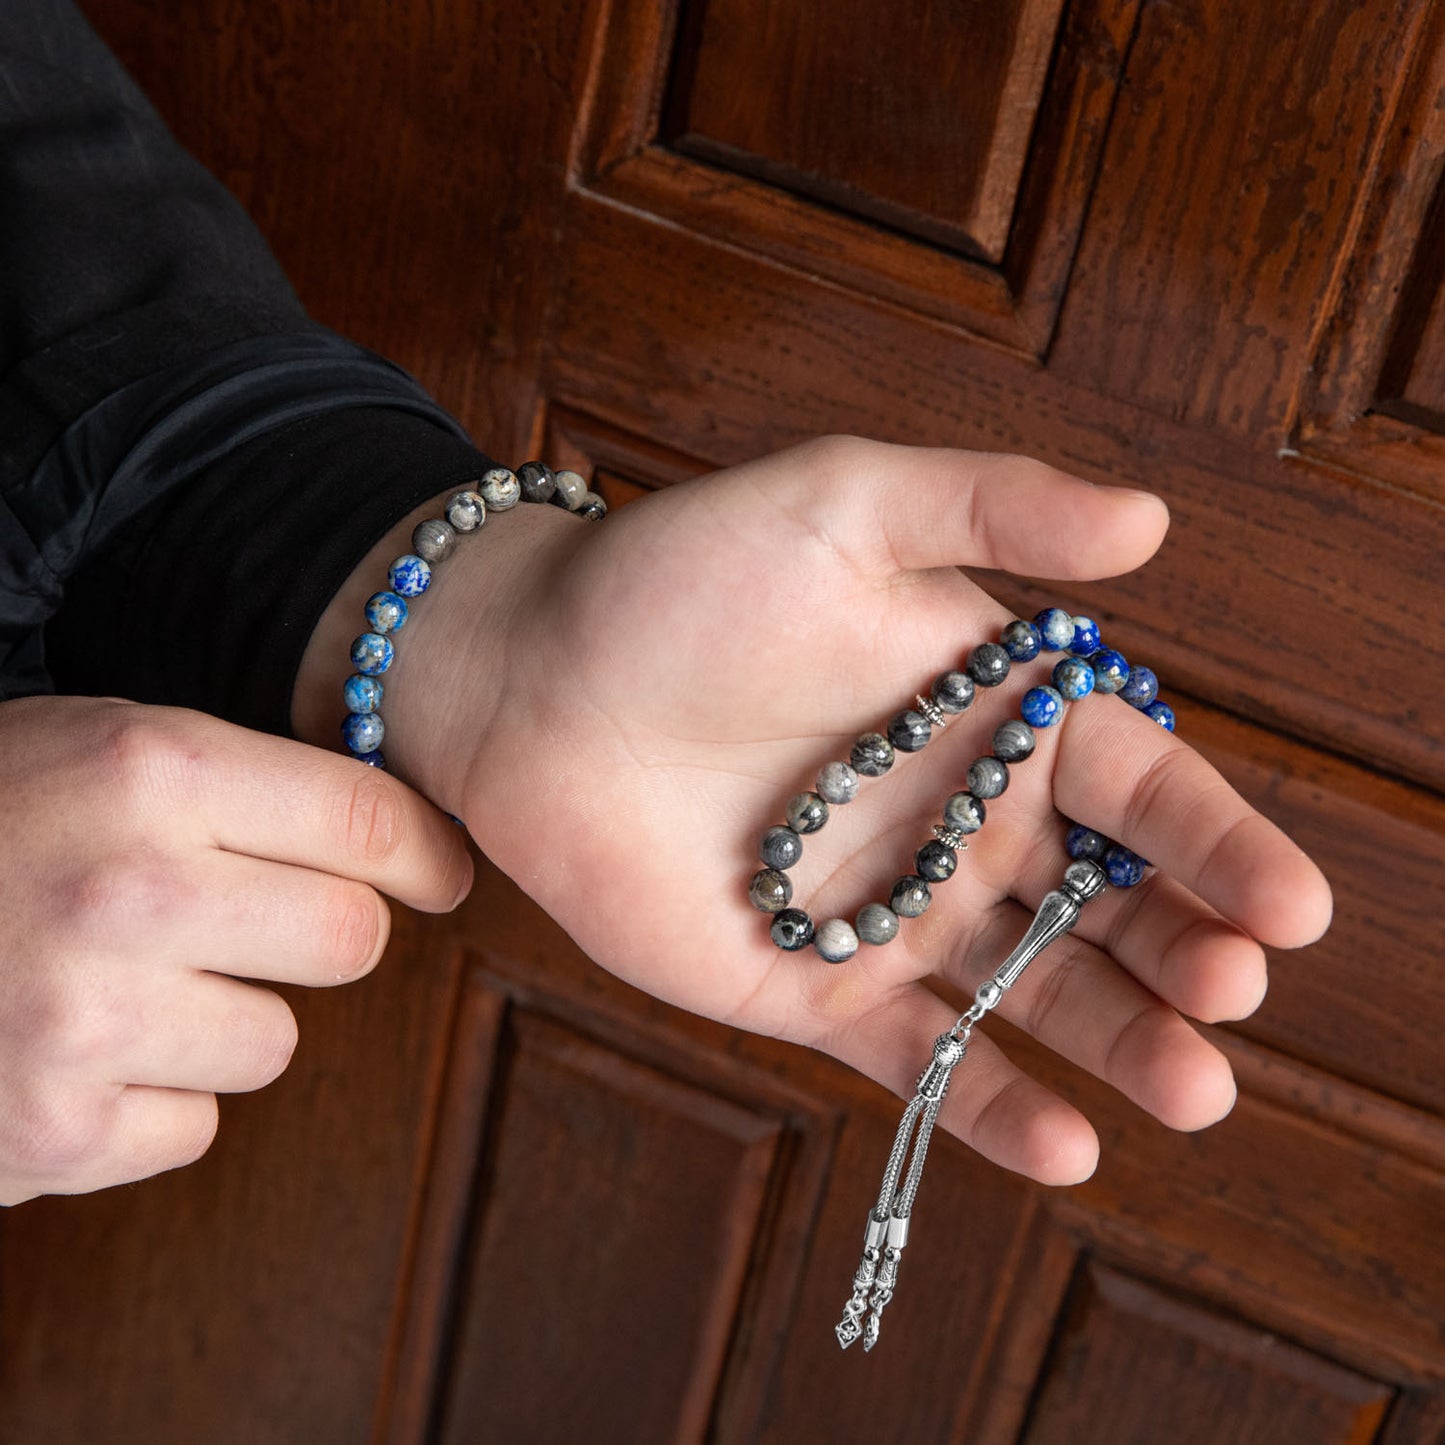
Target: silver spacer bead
932	711
950	837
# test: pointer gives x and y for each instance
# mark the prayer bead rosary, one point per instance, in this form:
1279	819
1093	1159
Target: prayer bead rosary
1086	667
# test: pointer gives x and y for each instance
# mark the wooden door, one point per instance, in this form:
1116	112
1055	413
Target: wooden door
1172	243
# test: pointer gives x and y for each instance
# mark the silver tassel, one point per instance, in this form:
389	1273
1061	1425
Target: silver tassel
887	1229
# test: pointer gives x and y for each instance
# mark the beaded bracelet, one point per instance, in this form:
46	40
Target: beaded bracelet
1088	667
433	541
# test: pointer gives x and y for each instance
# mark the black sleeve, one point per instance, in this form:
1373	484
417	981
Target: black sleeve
189	467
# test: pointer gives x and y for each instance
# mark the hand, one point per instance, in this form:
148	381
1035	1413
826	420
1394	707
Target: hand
649	692
152	859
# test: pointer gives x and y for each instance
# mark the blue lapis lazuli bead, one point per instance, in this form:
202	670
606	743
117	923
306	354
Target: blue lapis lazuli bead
1021	640
1082	842
1056	628
1111	671
372	760
1042	707
1141	689
386	611
1123	868
1162	713
361	693
363	731
409	575
1086	637
372	653
1074	678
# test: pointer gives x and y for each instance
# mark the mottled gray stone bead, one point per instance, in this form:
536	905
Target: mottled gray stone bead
770	891
571	489
536	481
964	813
877	924
911	896
780	848
953	691
1013	741
835	940
500	489
433	540
837	783
872	755
466	511
593	507
806	813
936	862
909	731
987	777
988	664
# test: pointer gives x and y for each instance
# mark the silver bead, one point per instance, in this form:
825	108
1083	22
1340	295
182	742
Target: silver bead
1085	879
433	540
466	511
988	994
931	711
500	489
571	489
949	837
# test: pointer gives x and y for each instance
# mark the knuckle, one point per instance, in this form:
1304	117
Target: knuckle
56	1134
837	451
373	819
146	755
129	896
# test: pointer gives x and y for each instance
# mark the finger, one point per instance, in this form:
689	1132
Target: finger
279	923
901	508
204	1033
1078	1002
274	798
1129	778
94	1140
994	1107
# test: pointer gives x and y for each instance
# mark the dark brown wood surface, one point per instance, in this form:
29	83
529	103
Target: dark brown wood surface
500	1196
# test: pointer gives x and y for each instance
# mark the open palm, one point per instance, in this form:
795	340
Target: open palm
675	675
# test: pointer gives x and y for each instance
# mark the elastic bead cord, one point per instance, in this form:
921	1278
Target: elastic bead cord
1087	666
410	575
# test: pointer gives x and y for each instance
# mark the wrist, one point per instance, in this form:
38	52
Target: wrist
453	661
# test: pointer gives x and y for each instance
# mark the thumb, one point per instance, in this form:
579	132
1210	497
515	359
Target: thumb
902	508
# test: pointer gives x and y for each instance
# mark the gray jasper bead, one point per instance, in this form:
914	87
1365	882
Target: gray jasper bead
500	489
466	511
877	924
953	691
909	731
792	929
1013	741
536	481
593	507
780	848
433	540
911	896
936	862
571	489
964	813
987	777
806	813
837	783
872	755
835	940
988	664
770	891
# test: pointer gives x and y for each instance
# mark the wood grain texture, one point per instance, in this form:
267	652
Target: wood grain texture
1134	1364
928	136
